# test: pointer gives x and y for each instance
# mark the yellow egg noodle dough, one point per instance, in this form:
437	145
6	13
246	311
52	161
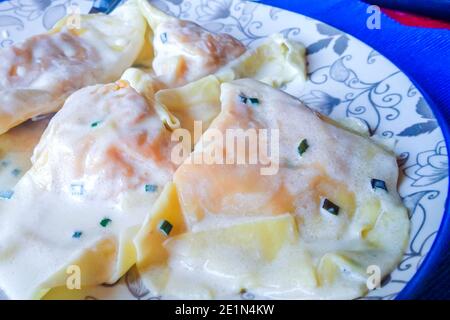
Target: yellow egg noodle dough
102	179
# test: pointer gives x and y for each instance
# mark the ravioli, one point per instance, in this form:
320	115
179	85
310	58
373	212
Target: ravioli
184	51
277	61
36	76
101	163
188	68
16	148
305	223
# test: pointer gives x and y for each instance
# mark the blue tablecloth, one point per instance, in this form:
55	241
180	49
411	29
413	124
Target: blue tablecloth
423	55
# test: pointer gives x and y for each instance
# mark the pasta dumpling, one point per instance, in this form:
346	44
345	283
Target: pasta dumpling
101	163
276	61
182	92
36	76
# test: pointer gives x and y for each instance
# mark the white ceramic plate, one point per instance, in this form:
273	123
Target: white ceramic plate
346	79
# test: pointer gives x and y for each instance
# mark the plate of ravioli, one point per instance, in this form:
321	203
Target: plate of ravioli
218	149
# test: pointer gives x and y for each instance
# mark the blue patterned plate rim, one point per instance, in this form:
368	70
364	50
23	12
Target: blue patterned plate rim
440	244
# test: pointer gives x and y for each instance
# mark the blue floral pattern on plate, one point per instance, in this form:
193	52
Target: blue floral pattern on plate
346	79
431	166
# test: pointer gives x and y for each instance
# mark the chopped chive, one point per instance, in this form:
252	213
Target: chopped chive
77	234
150	188
243	98
95	124
302	147
330	207
16	172
77	189
6	194
378	184
163	37
4	163
254	101
105	222
165	227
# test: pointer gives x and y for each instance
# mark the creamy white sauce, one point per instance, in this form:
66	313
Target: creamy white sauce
330	256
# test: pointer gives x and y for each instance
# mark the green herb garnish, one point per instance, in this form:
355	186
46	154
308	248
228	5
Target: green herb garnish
150	188
330	207
105	222
16	172
163	37
302	147
245	100
254	101
95	124
165	227
378	184
77	234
